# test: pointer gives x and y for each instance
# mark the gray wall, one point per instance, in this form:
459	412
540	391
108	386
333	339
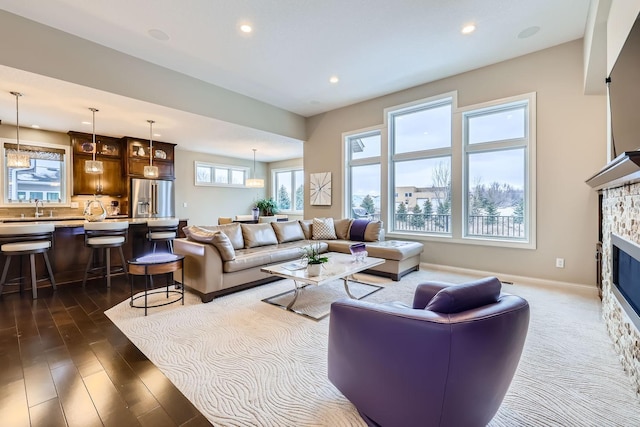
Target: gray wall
571	146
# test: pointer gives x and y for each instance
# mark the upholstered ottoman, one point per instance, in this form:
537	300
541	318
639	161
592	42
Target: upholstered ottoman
401	257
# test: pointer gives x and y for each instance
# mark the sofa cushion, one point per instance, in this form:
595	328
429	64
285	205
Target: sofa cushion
288	231
224	246
307	225
457	298
342	228
199	234
258	235
323	229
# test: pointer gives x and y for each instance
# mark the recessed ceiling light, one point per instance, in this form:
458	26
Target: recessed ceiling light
334	79
158	34
468	29
246	28
157	134
86	123
528	32
35	126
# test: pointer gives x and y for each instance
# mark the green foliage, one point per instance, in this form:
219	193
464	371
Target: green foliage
367	203
267	206
401	213
427	208
417	219
312	254
518	212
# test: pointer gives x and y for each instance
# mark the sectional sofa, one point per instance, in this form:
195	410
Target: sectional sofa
226	258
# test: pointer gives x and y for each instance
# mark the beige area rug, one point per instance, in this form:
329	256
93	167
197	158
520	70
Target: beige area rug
243	362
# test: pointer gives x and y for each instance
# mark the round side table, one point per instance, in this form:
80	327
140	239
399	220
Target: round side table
154	264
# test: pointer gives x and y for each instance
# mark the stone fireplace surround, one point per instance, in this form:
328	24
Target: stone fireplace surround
620	216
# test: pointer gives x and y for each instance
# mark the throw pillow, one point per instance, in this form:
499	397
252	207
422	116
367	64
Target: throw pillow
258	235
233	232
199	234
224	246
457	298
323	229
342	228
288	231
372	233
306	225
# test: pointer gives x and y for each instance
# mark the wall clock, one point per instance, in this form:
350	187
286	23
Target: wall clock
320	189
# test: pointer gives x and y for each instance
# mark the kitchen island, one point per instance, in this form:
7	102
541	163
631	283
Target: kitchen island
69	255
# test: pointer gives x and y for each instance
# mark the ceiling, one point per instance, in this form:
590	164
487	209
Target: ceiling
374	47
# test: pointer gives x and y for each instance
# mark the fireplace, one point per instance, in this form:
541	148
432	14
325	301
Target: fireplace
625	270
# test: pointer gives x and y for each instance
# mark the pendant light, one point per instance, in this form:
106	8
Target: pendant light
94	167
150	171
17	159
254	182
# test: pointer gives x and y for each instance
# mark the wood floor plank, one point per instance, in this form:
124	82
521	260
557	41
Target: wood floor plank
39	384
74	398
14	410
111	407
47	414
156	418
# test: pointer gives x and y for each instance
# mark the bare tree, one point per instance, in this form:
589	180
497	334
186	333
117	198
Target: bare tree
442	183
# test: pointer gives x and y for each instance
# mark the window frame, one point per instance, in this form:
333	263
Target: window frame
365	161
448	98
220	166
67	172
529	145
274	189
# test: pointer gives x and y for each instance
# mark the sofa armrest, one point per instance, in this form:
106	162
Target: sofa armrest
425	292
203	266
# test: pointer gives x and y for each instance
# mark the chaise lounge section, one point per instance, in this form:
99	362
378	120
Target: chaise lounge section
227	258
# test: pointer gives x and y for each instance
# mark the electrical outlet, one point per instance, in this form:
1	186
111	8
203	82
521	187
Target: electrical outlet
74	205
184	205
560	262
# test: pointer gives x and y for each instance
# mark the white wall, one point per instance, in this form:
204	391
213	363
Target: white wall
206	204
571	146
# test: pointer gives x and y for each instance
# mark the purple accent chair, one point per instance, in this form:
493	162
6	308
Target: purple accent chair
446	361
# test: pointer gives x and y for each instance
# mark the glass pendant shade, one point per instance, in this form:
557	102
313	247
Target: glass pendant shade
151	171
18	159
254	182
94	167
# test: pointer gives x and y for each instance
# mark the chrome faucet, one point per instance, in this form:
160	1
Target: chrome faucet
38	212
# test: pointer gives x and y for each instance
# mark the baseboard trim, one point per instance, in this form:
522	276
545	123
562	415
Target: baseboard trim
509	277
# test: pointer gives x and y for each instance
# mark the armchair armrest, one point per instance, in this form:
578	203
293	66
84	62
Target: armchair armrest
425	292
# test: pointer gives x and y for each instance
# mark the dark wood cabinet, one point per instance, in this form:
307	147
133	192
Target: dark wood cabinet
109	151
137	157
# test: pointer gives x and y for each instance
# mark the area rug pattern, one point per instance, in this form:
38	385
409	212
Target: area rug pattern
243	362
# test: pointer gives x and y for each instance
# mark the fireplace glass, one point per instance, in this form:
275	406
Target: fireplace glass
626	274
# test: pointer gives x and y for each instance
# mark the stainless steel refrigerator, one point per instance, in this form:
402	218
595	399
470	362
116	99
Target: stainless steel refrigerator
152	198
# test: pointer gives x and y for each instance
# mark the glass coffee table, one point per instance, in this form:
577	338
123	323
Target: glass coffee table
339	267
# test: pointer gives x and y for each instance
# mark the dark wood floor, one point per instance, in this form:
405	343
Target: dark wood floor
64	363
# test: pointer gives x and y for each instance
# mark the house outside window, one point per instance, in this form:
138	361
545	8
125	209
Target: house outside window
420	139
288	186
47	178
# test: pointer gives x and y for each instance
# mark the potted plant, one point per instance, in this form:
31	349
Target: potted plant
268	207
314	258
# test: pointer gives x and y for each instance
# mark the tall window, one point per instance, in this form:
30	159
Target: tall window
497	164
289	189
220	175
45	179
421	141
363	160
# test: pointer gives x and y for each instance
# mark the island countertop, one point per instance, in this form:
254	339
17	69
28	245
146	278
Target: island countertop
74	221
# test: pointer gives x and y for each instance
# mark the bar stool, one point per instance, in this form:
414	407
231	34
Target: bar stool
162	230
26	239
104	236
